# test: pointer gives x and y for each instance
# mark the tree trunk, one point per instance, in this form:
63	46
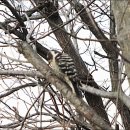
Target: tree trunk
121	10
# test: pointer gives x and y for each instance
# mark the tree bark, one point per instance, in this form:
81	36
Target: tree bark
121	10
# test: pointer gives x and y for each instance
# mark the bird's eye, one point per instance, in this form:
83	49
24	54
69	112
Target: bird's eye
49	56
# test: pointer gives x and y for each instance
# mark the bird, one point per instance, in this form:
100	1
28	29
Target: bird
63	64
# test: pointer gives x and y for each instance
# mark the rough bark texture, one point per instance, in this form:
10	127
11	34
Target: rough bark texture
121	10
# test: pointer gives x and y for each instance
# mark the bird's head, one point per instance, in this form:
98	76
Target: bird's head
52	54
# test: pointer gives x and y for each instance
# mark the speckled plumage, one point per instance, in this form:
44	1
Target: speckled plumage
63	64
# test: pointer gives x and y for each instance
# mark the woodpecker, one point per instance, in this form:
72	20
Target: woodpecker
63	64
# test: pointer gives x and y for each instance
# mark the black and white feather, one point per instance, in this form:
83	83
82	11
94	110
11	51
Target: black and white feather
62	63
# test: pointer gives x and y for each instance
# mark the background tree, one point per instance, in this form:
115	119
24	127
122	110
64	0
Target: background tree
33	96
